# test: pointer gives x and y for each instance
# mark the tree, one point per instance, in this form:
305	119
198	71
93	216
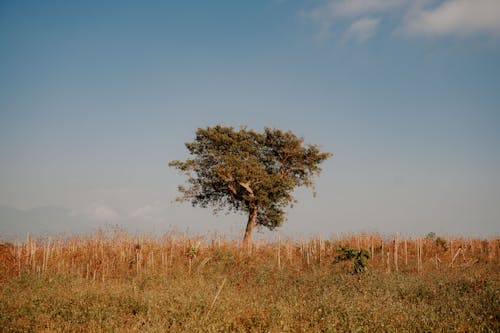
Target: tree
247	171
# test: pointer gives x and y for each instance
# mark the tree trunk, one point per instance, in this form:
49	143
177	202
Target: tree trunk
252	217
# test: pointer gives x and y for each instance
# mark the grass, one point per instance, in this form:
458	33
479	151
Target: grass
116	282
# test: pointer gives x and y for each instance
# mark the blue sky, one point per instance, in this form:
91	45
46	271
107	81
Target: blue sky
97	97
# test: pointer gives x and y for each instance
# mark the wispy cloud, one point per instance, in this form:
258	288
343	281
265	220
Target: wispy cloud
454	17
361	7
150	212
100	212
357	13
427	18
361	30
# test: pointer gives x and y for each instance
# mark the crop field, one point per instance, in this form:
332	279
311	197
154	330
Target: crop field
115	282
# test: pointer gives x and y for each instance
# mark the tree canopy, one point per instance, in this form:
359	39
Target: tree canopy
247	171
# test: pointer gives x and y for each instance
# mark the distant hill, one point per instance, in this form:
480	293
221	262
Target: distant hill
39	221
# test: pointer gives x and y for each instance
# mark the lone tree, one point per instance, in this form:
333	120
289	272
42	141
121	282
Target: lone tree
246	171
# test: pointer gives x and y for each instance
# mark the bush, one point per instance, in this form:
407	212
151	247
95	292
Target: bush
360	257
441	243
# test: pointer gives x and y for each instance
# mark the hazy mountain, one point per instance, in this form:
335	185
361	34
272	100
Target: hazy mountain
40	221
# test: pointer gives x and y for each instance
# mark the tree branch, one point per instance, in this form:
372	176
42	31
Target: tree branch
232	189
247	187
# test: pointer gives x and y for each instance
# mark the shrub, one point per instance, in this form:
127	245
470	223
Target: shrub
359	257
441	243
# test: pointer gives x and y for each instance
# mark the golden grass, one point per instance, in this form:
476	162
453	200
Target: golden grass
112	281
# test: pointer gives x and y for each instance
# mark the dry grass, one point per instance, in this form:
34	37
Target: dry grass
111	281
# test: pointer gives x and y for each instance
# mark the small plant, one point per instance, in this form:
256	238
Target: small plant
193	250
360	257
441	243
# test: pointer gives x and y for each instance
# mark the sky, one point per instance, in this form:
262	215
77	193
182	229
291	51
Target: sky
96	97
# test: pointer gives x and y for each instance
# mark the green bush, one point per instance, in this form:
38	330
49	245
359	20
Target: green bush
441	243
359	257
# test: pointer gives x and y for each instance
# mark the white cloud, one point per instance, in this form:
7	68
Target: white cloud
455	17
149	212
428	18
362	29
359	7
99	212
330	12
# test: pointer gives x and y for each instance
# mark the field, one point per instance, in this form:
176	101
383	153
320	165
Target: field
112	281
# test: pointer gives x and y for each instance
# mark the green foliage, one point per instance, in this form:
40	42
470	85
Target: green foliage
247	171
441	243
431	235
193	250
359	257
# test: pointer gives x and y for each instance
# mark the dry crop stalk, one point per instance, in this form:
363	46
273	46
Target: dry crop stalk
455	256
372	252
451	249
215	298
388	261
382	249
279	252
406	253
307	253
419	254
319	252
396	252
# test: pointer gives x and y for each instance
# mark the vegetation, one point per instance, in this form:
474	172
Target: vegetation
359	257
250	172
111	281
